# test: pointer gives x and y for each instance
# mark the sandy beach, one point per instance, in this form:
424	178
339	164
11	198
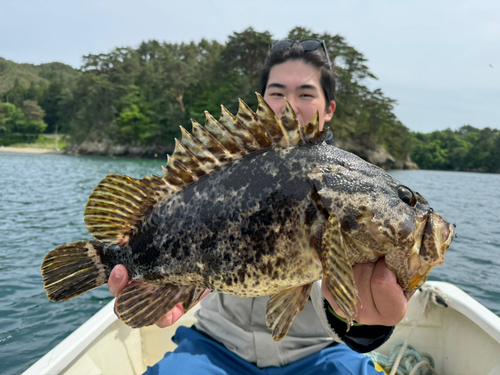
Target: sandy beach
29	150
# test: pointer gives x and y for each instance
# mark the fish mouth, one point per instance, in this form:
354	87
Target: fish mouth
433	236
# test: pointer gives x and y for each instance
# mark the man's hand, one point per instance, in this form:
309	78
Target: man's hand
382	299
118	281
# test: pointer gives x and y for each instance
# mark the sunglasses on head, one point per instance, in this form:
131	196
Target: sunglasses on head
308	45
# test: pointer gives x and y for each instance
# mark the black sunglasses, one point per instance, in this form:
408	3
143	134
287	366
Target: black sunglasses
308	45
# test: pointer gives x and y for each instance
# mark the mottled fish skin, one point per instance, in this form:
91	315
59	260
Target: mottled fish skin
249	228
244	229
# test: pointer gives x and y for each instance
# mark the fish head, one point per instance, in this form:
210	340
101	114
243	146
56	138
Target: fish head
432	239
380	217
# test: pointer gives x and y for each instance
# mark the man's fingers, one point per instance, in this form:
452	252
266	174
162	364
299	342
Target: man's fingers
176	313
118	280
363	273
330	300
382	299
171	317
388	296
362	278
409	295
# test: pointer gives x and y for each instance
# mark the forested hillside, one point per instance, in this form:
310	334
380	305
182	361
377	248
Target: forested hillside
30	99
466	149
137	97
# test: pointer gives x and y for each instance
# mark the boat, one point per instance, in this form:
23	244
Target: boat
463	338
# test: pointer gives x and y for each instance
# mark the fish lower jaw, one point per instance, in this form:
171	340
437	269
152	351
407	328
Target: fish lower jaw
419	278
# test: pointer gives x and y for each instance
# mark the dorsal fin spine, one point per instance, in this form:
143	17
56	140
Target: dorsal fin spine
311	131
244	107
181	152
197	129
211	120
220	123
206	159
182	168
269	110
286	136
270	121
171	165
186	137
296	130
164	172
170	177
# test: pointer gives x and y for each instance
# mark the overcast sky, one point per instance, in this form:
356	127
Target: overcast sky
439	59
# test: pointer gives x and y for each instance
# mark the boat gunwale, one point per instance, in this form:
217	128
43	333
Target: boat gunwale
57	359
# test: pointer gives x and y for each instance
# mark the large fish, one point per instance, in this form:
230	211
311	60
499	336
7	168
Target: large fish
249	205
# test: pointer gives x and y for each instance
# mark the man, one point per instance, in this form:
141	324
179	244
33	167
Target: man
231	336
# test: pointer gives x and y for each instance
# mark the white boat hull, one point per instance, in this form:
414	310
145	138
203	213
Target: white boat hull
463	339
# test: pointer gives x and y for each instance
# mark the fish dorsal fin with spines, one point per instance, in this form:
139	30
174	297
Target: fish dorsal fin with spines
118	205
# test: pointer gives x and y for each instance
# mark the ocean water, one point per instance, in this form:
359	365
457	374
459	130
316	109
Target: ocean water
42	199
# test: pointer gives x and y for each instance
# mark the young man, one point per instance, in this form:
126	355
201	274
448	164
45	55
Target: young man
231	336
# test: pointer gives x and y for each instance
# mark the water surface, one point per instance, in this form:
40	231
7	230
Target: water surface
42	199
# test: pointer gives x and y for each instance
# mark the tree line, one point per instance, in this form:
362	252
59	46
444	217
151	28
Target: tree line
465	149
141	95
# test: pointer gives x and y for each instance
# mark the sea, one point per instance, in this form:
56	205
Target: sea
42	199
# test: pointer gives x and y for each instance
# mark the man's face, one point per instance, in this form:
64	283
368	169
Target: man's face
300	84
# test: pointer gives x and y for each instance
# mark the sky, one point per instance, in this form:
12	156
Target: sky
439	59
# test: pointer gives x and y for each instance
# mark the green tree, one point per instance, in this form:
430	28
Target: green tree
142	95
32	110
465	149
22	121
10	118
135	126
245	53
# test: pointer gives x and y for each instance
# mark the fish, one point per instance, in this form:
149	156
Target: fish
249	205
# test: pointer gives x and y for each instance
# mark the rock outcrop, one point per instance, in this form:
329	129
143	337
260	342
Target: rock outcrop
103	146
374	153
364	148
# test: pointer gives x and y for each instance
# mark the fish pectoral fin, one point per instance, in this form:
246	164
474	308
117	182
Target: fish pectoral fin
193	299
283	307
337	269
144	304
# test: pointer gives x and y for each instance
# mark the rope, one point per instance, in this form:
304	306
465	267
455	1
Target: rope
413	361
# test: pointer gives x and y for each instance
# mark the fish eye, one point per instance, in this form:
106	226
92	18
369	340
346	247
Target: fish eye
407	196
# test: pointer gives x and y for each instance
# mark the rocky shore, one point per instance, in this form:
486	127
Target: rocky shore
373	153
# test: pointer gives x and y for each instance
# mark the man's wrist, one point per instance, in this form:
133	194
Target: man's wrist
354	323
360	338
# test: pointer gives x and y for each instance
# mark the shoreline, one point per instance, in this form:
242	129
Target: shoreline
28	150
34	151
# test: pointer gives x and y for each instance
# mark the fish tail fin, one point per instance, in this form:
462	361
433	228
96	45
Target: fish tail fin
73	269
144	304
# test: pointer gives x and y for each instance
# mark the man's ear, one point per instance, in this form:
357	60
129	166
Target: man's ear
329	111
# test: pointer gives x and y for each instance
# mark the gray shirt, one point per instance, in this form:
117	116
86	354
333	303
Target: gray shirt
239	324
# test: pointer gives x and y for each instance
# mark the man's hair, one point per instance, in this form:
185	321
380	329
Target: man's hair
316	58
